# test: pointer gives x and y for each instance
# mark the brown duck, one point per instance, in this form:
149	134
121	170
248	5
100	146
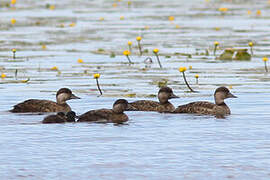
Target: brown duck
36	105
115	115
60	117
218	109
164	94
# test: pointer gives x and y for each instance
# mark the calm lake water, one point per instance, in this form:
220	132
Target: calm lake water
150	145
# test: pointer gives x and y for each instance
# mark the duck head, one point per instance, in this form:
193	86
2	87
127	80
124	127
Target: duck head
164	94
64	94
222	93
120	106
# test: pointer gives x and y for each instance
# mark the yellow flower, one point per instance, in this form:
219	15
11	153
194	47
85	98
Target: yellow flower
259	13
25	81
13	2
182	69
217	28
80	61
216	43
96	76
265	59
230	87
129	3
52	7
177	26
197	76
3	75
72	24
126	52
44	47
146	27
101	19
129	43
250	44
122	18
14	50
155	50
114	5
62	25
54	68
190	67
171	18
13	21
249	12
138	38
223	9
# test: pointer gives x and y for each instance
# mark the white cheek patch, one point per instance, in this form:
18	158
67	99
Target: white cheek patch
63	97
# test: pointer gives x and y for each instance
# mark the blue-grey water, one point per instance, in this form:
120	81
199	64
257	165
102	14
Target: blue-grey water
151	145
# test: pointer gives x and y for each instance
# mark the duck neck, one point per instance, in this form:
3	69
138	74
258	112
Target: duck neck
220	102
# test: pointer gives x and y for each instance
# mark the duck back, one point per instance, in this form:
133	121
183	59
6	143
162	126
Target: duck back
36	105
143	105
103	115
203	107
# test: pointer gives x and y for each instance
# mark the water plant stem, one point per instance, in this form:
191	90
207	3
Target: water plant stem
184	76
14	54
140	48
265	66
129	59
158	60
215	49
98	87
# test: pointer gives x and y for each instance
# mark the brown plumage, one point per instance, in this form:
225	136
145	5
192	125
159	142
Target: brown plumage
36	105
60	117
218	109
115	115
164	94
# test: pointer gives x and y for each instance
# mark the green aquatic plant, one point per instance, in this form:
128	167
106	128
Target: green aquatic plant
127	53
265	59
250	44
155	51
97	76
182	70
139	38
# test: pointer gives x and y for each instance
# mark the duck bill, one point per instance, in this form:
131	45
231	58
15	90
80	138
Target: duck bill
74	97
173	96
230	95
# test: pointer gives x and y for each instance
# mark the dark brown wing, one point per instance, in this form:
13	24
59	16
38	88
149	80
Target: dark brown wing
200	107
36	105
103	115
143	105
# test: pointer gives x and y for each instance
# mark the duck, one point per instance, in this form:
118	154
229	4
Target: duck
60	117
164	94
37	105
115	115
219	109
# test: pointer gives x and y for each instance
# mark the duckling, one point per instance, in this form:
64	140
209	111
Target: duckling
218	109
60	117
57	118
164	94
36	105
115	115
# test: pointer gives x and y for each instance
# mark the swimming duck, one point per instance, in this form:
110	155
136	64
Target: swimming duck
115	115
36	105
218	109
164	94
60	117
